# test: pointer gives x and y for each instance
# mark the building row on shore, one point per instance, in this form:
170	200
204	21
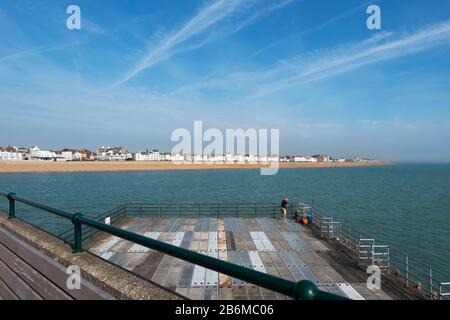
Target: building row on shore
35	153
122	154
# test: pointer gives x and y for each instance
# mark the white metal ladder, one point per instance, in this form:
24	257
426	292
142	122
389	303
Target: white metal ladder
442	287
375	254
326	227
365	249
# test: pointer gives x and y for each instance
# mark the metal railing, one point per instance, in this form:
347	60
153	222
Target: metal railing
415	274
183	210
109	217
203	209
304	289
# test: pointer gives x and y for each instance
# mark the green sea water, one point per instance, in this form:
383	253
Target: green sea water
404	205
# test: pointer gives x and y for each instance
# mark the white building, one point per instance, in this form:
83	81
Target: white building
147	156
44	155
217	158
230	158
5	155
251	158
201	158
165	156
67	155
177	157
304	159
113	154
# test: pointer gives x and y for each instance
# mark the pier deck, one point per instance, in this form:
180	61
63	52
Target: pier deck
282	248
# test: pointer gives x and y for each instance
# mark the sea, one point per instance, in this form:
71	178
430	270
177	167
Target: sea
405	206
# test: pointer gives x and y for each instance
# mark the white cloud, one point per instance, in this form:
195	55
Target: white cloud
206	18
379	48
318	27
325	63
36	51
261	13
92	27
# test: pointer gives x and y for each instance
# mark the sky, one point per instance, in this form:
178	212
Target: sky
139	69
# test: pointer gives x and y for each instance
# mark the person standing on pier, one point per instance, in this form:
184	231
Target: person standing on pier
283	208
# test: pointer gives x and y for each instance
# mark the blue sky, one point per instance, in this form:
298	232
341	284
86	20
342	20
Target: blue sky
139	69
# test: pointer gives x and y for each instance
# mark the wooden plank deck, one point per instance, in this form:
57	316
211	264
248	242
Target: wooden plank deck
28	274
282	248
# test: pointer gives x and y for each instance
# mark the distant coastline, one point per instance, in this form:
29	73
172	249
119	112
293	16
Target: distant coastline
106	166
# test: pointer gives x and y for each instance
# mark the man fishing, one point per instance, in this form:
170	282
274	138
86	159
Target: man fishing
283	208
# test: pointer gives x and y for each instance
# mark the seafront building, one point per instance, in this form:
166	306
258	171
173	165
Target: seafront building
154	155
113	154
15	156
44	155
14	153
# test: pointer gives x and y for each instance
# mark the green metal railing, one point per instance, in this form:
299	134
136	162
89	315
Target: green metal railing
222	210
180	210
303	290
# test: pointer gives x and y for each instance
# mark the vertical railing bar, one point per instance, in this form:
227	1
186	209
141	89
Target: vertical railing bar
77	246
12	205
407	271
431	283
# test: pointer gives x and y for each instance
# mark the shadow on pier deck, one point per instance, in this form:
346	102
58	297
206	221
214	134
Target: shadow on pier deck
284	249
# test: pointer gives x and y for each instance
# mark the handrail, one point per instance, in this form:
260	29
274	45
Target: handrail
303	290
410	270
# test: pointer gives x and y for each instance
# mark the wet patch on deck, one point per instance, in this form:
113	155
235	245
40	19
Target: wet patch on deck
282	248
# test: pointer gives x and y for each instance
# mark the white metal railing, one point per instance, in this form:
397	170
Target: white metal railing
415	273
380	256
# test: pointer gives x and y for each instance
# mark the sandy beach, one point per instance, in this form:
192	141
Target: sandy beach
97	166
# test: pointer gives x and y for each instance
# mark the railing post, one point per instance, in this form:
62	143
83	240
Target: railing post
12	205
389	261
348	237
431	284
407	271
77	245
